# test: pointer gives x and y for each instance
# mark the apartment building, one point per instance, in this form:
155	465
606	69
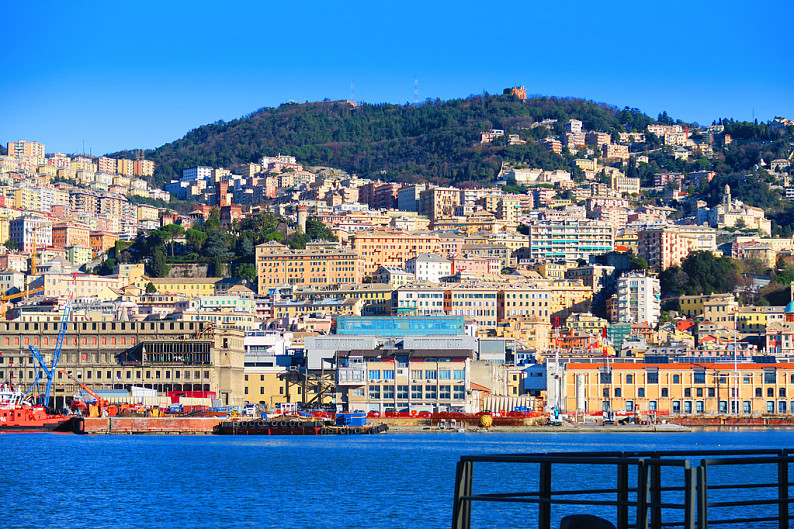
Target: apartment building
29	232
638	299
68	234
439	202
569	240
277	264
662	247
391	248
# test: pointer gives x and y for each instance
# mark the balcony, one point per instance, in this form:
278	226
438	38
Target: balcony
351	376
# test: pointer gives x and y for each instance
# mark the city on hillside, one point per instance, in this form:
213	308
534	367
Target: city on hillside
633	266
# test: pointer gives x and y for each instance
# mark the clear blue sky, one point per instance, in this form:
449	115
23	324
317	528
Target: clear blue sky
139	74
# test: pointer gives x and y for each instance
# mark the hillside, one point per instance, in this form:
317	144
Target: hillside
436	140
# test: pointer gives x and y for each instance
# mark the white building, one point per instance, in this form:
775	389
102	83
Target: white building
429	267
196	173
25	230
639	299
569	240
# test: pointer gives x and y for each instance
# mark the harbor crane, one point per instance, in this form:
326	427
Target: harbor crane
103	407
40	364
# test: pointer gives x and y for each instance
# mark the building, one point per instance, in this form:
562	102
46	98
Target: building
679	388
638	299
277	264
391	248
30	232
569	240
439	202
68	234
164	356
429	267
662	247
190	286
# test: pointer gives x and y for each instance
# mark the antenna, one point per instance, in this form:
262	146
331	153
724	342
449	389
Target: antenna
352	90
416	90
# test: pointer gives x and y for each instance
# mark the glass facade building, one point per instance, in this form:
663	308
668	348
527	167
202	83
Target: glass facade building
400	325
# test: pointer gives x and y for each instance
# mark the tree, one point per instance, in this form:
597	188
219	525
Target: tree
150	287
213	221
173	231
157	266
247	271
195	239
316	230
11	245
216	270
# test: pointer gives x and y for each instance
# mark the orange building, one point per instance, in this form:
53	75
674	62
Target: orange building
392	248
101	241
71	234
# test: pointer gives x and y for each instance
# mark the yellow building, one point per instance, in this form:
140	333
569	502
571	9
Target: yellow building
755	319
189	286
335	307
530	332
376	296
678	389
277	264
691	306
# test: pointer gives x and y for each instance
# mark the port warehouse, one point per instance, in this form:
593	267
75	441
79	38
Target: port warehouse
163	355
699	386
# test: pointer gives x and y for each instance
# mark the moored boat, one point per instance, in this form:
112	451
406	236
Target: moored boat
19	415
295	426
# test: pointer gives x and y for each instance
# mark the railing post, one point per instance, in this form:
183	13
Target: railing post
690	496
642	494
703	489
623	495
656	494
782	492
544	487
461	511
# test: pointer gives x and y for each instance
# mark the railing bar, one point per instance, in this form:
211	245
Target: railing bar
748	460
549	501
744	486
743	520
774	501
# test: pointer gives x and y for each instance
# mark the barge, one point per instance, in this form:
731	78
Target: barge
345	424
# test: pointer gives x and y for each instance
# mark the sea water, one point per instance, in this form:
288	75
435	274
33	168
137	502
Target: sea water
390	481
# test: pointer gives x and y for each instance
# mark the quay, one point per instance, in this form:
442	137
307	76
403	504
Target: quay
148	425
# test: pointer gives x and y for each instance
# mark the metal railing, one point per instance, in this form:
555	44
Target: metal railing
654	489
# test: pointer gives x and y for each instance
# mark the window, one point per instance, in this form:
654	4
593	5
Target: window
652	405
444	392
605	393
629	405
676	406
374	392
770	392
459	374
781	406
782	393
431	375
653	378
688	406
759	392
459	392
388	392
388	374
281	390
402	361
416	374
687	392
712	392
641	392
769	377
402	392
699	392
723	379
617	392
770	406
416	392
606	377
664	392
699	377
374	374
444	374
699	406
431	392
261	390
629	379
746	407
746	379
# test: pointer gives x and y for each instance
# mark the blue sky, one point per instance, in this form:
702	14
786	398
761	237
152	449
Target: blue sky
138	74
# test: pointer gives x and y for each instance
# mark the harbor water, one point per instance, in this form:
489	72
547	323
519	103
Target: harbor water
389	481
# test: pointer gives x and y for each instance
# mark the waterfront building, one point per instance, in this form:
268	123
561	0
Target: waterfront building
679	388
165	356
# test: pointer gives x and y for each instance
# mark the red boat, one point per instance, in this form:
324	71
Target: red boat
19	415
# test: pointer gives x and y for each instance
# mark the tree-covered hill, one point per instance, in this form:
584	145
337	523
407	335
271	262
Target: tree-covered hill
437	140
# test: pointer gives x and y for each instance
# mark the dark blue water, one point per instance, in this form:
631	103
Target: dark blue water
392	480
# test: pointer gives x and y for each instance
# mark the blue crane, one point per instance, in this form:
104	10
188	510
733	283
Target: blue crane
41	364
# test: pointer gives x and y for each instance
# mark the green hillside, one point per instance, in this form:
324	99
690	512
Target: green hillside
436	140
